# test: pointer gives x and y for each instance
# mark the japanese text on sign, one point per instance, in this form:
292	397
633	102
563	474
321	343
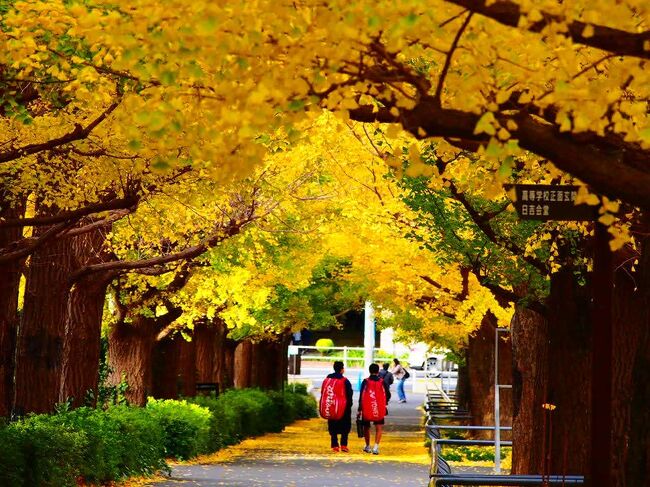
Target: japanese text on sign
551	202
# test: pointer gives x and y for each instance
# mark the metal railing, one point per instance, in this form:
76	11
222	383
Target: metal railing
343	355
505	480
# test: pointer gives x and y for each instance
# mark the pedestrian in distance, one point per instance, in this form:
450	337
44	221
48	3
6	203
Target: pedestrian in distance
401	374
336	406
387	376
373	399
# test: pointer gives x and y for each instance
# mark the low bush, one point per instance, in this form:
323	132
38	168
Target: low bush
472	454
142	440
45	454
323	345
100	446
186	427
12	459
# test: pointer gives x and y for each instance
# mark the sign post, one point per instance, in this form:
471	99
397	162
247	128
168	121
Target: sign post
557	202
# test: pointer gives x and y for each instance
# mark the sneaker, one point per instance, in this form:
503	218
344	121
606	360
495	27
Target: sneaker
375	450
344	449
402	400
367	449
335	449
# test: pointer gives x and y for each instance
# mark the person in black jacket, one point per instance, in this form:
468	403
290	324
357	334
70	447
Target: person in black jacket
379	425
388	379
342	426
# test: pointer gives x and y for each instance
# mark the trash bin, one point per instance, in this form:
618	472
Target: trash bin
294	364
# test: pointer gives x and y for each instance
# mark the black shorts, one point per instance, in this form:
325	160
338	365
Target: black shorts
367	423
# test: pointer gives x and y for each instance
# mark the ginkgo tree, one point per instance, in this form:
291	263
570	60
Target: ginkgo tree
199	83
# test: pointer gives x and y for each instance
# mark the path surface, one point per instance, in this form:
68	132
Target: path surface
300	456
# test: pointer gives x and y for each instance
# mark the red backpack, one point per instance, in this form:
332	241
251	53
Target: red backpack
373	400
332	398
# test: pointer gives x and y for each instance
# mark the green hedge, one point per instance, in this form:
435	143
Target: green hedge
101	446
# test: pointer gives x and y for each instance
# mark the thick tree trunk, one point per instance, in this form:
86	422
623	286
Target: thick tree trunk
187	369
530	374
283	370
174	360
631	368
82	339
569	374
214	354
226	361
552	365
206	339
129	351
242	364
82	342
9	287
40	336
480	369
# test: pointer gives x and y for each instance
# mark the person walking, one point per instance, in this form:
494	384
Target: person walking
401	375
336	398
373	398
387	376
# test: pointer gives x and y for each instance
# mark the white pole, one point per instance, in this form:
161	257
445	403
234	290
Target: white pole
345	357
497	414
368	335
448	375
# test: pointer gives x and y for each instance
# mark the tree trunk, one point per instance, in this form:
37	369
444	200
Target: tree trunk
214	354
165	364
480	369
40	336
82	342
129	351
631	368
569	375
9	290
552	365
174	360
283	370
206	341
227	363
242	364
82	339
530	374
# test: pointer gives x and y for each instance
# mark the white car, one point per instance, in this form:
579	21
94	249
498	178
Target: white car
420	358
433	363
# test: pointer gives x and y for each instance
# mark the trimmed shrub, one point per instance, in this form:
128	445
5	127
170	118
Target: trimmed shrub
186	427
322	345
297	388
51	454
12	458
101	446
142	440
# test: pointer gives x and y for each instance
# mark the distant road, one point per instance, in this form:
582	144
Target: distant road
317	371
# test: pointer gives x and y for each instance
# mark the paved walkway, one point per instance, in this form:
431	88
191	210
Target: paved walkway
300	457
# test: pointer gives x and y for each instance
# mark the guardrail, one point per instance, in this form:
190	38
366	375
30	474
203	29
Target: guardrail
343	356
440	406
505	480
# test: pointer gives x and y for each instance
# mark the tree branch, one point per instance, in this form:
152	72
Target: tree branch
189	253
616	41
78	133
102	223
114	204
29	245
445	69
482	221
587	158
